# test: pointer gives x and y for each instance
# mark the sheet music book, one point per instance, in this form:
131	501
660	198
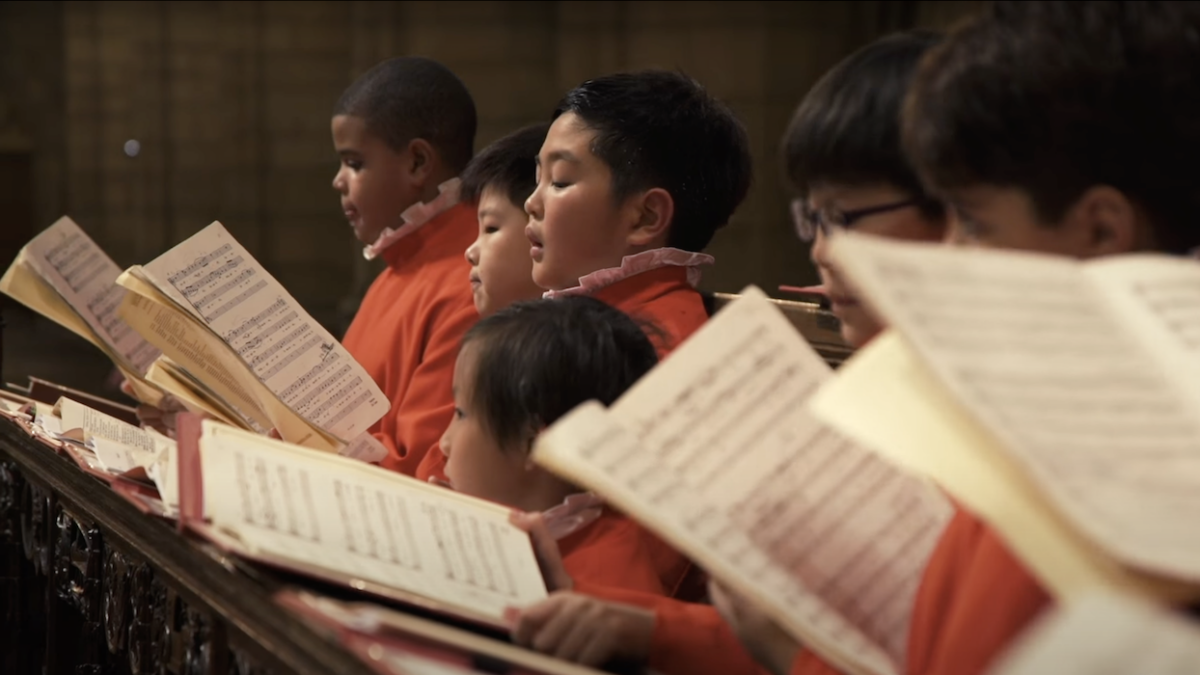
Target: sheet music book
353	524
219	316
715	451
1075	382
63	275
121	449
1107	634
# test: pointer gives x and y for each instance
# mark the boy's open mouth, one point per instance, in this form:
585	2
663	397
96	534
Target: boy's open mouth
535	248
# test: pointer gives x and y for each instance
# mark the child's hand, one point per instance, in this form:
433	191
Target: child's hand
769	644
583	629
545	548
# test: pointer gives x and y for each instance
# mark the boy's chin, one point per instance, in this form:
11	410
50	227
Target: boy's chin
546	279
365	235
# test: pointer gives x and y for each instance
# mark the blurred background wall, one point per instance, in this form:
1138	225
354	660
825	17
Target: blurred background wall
146	121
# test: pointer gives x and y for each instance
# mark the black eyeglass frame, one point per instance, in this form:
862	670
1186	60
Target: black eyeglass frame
808	222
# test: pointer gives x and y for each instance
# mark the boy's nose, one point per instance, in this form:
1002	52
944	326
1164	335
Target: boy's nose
533	205
819	253
472	253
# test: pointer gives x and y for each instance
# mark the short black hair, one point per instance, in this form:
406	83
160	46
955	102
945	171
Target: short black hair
508	165
538	359
1052	98
657	128
847	128
411	97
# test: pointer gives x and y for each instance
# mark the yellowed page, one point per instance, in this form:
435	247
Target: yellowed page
22	283
715	451
84	276
1107	635
886	400
1033	349
225	289
353	519
193	394
198	351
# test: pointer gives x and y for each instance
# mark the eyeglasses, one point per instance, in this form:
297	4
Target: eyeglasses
809	221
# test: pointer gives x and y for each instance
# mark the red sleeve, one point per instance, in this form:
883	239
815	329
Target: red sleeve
426	404
612	553
975	600
808	663
689	638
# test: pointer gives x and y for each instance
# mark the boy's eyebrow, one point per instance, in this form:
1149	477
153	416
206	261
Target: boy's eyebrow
556	155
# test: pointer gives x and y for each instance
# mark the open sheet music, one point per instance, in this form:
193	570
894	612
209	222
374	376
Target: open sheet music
216	312
1107	635
63	275
715	451
358	525
1084	373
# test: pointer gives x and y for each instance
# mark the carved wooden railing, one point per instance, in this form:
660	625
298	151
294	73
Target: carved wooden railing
89	585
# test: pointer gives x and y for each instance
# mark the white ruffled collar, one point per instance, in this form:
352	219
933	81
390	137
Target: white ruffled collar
415	216
637	264
575	513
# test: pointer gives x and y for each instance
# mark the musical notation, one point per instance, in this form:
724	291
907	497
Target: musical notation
356	520
222	285
717	442
1072	366
85	277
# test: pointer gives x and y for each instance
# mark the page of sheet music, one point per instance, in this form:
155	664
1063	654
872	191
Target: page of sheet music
1107	635
197	351
116	457
362	521
1160	295
1032	348
833	538
84	275
219	282
94	423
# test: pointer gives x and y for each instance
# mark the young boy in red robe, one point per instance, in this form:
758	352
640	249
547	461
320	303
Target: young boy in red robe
519	370
638	172
498	180
403	132
1063	127
843	157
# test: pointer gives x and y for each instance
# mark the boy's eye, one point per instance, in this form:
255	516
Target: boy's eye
558	185
458	413
353	164
491	229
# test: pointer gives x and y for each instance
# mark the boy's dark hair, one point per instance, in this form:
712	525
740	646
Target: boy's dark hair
1051	98
538	359
411	97
508	165
657	128
847	128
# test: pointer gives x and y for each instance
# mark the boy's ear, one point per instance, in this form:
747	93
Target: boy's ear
1107	221
421	157
654	210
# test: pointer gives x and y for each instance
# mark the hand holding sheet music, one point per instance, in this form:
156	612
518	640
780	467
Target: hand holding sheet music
714	451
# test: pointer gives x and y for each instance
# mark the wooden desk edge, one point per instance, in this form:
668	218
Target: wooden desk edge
239	603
